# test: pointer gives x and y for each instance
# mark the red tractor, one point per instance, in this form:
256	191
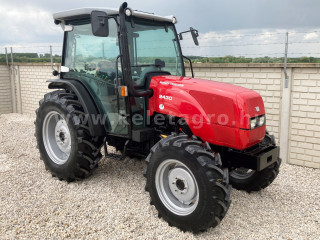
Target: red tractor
122	83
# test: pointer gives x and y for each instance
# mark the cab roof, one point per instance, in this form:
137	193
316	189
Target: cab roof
85	12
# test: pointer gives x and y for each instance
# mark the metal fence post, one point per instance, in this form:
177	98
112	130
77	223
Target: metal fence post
11	56
285	108
18	86
13	87
51	58
286	80
7	60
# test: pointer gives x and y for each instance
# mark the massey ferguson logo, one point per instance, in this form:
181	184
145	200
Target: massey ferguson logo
257	109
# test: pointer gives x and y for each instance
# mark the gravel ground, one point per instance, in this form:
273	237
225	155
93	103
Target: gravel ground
113	204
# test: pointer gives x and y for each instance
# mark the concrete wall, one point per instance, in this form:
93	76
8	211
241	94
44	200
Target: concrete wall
5	90
305	118
33	85
293	113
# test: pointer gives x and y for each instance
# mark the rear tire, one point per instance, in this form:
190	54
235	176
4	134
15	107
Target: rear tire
186	184
64	141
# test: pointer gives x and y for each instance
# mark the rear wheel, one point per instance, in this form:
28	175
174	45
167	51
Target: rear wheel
186	183
56	137
68	150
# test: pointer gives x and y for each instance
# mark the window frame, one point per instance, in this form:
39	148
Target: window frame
133	19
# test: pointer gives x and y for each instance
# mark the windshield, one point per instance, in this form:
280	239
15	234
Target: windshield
153	46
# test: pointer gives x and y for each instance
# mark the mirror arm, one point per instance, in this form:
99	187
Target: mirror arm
190	65
180	34
193	30
184	32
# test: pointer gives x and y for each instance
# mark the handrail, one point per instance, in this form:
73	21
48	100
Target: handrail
190	65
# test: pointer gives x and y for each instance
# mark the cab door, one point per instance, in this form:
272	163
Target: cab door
92	60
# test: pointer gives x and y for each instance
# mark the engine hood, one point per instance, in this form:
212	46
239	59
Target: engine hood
216	112
202	85
214	102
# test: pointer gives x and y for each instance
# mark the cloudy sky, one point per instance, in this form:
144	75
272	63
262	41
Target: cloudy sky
227	27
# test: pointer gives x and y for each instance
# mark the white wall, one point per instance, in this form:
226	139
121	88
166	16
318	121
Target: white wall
5	90
299	105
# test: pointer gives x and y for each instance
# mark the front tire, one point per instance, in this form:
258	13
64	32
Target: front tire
186	184
251	180
68	150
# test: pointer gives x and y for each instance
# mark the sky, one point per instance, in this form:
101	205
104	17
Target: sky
226	27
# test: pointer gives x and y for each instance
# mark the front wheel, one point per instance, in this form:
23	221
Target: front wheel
186	184
251	180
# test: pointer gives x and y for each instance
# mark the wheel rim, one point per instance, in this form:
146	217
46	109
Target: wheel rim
242	173
177	187
56	137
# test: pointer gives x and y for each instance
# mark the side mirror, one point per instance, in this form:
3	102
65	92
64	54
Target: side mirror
160	64
195	35
99	23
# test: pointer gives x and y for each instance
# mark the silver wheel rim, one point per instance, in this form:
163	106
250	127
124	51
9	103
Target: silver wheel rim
177	187
242	173
56	137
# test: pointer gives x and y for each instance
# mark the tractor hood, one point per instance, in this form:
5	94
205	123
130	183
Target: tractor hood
206	102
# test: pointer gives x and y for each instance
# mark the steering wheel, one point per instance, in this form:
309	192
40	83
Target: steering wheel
140	82
106	70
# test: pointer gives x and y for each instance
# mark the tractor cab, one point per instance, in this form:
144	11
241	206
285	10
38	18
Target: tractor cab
110	50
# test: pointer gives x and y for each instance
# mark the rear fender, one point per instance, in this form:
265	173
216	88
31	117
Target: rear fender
90	107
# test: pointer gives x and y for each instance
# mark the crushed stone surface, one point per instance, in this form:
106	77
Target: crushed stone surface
112	203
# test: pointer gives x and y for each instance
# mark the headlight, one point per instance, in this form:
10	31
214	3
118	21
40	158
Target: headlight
262	120
257	121
253	123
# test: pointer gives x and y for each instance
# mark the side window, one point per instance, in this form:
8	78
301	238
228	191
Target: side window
87	53
92	59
